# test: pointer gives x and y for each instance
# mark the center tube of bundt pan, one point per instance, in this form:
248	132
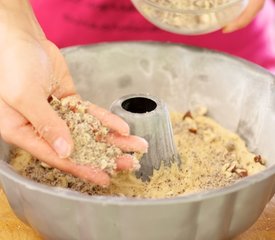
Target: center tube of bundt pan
148	117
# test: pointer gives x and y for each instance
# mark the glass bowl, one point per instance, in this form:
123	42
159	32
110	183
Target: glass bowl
190	17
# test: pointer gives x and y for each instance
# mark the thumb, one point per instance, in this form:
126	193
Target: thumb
246	17
47	123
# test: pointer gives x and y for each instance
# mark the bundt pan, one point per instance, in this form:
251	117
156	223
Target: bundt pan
239	95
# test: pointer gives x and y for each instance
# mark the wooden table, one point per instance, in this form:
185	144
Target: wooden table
13	229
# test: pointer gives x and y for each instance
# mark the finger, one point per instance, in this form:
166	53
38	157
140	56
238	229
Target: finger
246	17
109	120
128	143
46	122
21	134
40	149
125	162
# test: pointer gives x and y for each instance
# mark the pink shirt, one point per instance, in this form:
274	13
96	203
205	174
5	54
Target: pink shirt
74	22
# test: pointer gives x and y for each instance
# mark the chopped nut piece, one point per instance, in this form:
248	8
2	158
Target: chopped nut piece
187	115
50	98
241	172
199	111
73	109
225	167
230	146
232	167
192	130
259	159
190	123
209	136
45	165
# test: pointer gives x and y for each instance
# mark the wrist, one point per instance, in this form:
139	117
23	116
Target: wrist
18	20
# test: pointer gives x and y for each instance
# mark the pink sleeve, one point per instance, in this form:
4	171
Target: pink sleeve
74	22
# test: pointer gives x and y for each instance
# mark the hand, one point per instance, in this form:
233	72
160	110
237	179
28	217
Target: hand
254	6
31	69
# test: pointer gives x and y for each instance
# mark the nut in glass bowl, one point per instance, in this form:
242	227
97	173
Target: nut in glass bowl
190	17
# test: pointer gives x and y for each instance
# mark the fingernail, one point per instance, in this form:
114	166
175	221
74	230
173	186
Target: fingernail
62	148
125	130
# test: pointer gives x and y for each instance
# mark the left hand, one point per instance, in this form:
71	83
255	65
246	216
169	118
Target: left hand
31	71
254	6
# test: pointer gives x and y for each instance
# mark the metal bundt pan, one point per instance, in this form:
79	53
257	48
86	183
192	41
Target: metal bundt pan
239	95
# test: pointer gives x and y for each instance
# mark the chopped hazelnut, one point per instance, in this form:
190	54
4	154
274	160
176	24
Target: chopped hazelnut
187	115
192	130
259	159
230	146
241	172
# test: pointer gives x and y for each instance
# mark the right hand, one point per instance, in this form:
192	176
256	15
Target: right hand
253	8
31	69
